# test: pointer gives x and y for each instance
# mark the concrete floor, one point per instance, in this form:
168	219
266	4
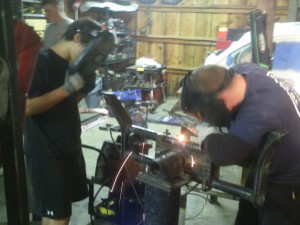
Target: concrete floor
199	211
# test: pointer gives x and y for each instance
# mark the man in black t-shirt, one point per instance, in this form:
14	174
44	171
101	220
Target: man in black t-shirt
54	160
251	103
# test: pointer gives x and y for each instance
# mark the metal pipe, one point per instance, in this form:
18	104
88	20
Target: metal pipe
236	190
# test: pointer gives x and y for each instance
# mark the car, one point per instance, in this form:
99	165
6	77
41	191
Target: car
285	60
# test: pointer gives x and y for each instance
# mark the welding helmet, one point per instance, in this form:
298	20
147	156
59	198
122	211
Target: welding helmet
199	94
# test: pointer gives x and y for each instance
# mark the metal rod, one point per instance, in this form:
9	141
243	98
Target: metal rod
236	190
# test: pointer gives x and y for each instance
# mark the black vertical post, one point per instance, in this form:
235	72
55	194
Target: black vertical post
16	8
161	206
260	48
11	140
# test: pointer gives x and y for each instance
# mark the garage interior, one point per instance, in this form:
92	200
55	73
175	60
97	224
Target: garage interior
158	43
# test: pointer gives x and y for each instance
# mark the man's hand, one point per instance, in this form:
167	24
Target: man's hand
204	129
73	83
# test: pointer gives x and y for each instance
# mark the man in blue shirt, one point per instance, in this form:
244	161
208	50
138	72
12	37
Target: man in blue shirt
251	103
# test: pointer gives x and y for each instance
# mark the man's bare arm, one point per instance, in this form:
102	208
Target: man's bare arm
45	102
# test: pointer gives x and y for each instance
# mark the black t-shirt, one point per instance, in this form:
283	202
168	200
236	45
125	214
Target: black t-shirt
57	131
268	105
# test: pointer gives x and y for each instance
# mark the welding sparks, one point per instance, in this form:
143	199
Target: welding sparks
143	152
123	164
181	137
192	161
143	147
142	220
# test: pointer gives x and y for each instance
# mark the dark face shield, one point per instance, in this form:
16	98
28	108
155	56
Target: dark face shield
205	106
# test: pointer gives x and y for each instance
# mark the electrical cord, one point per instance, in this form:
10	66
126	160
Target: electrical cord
199	195
91	147
100	188
191	189
189	192
202	209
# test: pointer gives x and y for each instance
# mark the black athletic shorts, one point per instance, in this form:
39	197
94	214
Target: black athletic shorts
54	183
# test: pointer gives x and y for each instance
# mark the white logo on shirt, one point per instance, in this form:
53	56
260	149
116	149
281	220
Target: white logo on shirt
50	213
290	91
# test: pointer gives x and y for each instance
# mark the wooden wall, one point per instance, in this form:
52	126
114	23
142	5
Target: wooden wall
181	36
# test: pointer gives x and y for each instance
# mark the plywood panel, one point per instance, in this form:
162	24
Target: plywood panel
204	2
251	3
173	80
239	2
188	2
142	49
188	24
157	52
172	26
172	83
198	2
157	27
220	2
281	18
203	28
201	52
172	54
282	3
186	55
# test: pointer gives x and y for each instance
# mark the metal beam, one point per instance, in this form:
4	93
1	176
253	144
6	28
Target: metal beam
11	140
